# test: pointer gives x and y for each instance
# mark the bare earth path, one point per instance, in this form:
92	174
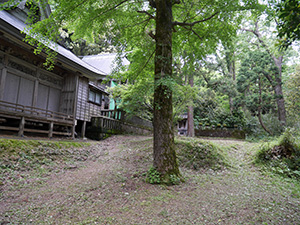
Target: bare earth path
109	188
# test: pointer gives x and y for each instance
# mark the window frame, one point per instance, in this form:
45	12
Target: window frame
97	95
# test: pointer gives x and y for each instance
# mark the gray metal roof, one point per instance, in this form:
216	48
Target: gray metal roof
106	63
8	22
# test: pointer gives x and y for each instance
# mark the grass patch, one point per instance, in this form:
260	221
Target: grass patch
198	154
42	156
281	156
28	154
111	190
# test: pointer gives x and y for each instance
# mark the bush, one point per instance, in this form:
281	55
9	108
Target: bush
254	130
196	154
283	155
221	117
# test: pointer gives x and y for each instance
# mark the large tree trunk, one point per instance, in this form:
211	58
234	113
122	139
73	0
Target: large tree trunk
277	87
232	72
259	109
190	119
278	90
164	154
280	103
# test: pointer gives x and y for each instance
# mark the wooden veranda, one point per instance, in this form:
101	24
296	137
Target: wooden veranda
27	119
44	120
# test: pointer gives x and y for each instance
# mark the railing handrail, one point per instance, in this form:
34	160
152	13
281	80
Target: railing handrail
111	110
36	110
116	114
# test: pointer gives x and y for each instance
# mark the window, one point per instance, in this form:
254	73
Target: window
95	97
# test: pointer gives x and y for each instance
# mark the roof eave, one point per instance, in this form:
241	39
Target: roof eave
65	61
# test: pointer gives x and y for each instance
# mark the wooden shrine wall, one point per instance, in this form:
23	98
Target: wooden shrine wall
25	84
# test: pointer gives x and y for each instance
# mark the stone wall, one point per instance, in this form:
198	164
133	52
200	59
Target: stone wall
133	129
228	133
101	127
138	121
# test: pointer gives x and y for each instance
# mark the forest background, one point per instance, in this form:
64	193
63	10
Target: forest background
227	77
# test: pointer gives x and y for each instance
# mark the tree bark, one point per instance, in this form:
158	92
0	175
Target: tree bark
262	123
280	104
278	91
190	119
259	109
232	73
164	155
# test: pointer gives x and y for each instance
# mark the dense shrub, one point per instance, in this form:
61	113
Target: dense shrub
254	129
282	156
197	154
223	117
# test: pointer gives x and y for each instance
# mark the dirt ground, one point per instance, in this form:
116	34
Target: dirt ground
109	188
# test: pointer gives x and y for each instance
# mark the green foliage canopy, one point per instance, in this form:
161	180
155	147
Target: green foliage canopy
252	77
289	21
293	94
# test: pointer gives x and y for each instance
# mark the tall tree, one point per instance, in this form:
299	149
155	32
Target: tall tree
190	121
253	84
164	146
139	23
275	79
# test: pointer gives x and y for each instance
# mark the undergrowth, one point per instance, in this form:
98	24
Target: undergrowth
281	156
194	154
198	154
153	176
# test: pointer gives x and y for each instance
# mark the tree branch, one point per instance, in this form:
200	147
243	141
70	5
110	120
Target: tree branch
258	35
256	32
147	13
110	9
145	64
150	33
194	32
136	24
176	2
176	23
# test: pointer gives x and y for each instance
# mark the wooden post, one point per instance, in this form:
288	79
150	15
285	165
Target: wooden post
83	129
73	128
35	93
102	123
50	135
2	82
122	115
21	126
75	100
